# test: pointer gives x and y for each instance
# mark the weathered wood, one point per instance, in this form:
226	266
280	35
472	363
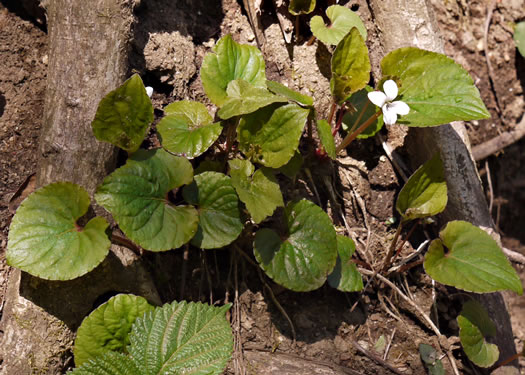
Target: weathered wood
404	23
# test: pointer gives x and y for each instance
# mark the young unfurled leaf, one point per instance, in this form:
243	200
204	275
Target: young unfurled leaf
327	139
271	135
282	90
350	66
519	37
136	196
342	21
244	98
123	115
228	62
425	192
297	7
218	205
107	328
474	327
429	356
45	240
178	338
436	89
188	129
473	261
345	276
303	260
359	100
259	191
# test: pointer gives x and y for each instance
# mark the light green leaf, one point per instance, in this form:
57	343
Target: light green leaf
473	262
327	139
350	66
259	191
474	327
345	276
297	7
218	205
342	21
107	328
109	363
304	259
195	113
519	37
135	194
231	61
436	89
271	135
45	239
359	101
280	89
425	192
123	115
244	98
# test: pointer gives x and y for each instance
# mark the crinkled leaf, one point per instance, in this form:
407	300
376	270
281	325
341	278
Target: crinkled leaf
297	7
436	89
429	356
109	363
123	115
303	260
228	62
342	20
259	191
280	89
425	192
244	98
218	205
107	328
136	196
360	101
345	276
327	139
519	37
195	113
350	66
271	135
475	326
44	239
473	262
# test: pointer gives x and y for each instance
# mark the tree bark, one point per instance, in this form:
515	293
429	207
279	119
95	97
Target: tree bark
404	23
87	59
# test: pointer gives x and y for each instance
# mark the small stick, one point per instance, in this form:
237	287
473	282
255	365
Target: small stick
491	191
332	112
350	137
490	10
392	248
374	357
498	143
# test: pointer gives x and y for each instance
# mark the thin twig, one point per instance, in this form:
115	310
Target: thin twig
351	136
374	357
489	182
490	10
498	143
387	349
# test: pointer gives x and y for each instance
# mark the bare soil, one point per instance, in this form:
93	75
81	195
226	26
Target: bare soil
358	191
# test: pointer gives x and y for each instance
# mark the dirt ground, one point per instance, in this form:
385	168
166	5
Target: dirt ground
328	326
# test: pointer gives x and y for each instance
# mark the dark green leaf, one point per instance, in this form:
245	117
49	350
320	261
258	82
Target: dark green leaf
136	195
342	20
292	95
297	7
359	101
123	115
429	356
45	240
293	166
345	276
327	139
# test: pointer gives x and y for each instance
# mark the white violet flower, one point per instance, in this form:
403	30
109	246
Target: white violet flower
385	101
149	91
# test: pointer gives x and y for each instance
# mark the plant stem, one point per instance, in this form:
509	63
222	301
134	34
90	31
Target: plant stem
350	137
410	232
332	111
122	241
337	126
388	258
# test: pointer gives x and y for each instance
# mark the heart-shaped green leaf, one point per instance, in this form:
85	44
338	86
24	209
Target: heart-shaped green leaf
342	20
280	89
365	109
297	7
123	115
271	135
45	240
231	61
219	216
136	196
474	326
303	260
259	191
350	66
474	262
425	192
244	98
519	37
345	276
195	113
327	139
436	89
107	328
178	338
